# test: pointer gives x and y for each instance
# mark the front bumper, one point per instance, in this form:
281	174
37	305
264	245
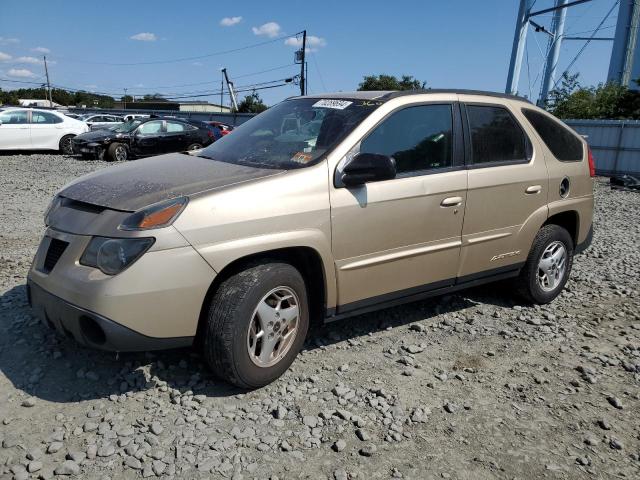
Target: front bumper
154	304
86	148
90	329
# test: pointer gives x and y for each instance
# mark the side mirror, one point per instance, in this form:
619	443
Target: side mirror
368	167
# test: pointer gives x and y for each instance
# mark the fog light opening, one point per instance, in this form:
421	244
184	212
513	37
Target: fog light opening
92	331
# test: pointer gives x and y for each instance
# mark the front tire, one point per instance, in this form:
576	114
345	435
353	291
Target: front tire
257	323
118	152
548	266
194	146
66	145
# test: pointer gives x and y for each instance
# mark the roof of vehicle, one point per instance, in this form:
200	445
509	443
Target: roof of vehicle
389	94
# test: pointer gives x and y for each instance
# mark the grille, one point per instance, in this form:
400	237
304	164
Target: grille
55	251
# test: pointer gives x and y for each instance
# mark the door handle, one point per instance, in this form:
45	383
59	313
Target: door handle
451	202
533	189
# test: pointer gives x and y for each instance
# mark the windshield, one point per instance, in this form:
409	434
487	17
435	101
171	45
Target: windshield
292	134
127	126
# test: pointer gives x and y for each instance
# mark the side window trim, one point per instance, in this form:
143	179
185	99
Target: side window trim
457	153
469	148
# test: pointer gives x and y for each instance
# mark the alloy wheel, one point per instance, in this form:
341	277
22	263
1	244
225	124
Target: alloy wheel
552	266
273	327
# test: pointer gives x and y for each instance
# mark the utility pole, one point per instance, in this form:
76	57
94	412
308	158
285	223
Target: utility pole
553	51
46	71
221	90
125	98
232	93
519	42
303	90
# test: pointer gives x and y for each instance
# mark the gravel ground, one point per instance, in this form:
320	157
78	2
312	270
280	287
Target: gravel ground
467	386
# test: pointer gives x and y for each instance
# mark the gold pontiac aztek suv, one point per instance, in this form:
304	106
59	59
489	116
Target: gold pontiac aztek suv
320	208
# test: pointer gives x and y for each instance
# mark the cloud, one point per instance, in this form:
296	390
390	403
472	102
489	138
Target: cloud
5	57
313	42
8	40
197	64
270	29
144	37
31	60
41	50
20	72
230	21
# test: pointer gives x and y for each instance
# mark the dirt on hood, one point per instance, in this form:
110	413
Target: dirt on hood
137	184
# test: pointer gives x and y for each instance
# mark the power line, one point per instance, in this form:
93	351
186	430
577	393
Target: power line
184	59
575	59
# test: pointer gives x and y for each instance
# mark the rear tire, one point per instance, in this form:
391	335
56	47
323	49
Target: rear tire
548	265
66	145
256	324
194	146
118	152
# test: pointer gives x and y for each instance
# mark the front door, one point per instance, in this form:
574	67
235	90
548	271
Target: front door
146	140
507	195
398	237
15	132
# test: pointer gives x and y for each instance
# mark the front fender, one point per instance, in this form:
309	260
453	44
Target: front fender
221	254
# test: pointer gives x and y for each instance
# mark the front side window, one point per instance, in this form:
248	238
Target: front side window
174	127
495	135
418	138
292	134
563	143
14	117
150	128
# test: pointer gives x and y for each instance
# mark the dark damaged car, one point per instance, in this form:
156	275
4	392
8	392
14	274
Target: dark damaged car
144	137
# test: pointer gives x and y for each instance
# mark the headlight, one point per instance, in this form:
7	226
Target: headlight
53	205
159	215
113	255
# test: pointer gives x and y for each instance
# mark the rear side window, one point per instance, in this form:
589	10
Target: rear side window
44	117
418	138
563	143
174	127
495	135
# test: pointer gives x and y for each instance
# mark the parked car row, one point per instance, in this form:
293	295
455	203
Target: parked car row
111	137
142	137
32	129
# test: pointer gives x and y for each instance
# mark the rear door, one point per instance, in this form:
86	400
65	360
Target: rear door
400	237
176	137
46	130
507	194
15	131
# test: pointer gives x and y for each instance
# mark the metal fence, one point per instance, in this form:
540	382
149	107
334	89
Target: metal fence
615	144
233	119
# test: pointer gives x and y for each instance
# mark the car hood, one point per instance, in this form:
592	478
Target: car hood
139	183
100	135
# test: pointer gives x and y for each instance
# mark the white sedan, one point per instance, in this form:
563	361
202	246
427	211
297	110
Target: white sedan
33	129
97	122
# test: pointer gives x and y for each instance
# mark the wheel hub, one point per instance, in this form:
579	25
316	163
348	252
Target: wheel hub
552	266
273	327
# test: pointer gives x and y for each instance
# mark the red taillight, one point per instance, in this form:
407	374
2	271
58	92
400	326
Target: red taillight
592	164
210	133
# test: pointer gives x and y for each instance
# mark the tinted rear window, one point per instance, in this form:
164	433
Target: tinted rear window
495	135
563	143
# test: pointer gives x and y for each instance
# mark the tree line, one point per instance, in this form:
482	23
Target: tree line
569	100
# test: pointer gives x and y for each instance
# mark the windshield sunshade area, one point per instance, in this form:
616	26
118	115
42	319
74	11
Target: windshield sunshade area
293	134
127	127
